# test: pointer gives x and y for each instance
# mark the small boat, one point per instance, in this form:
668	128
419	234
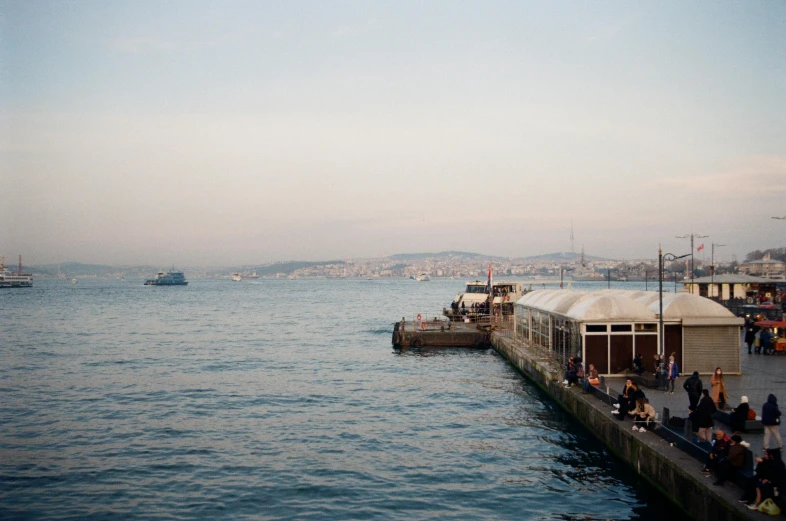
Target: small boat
423	277
236	277
173	278
74	281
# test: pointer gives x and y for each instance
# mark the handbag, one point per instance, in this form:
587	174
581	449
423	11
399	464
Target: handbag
768	506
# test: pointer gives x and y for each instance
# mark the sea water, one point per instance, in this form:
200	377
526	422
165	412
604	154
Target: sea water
279	399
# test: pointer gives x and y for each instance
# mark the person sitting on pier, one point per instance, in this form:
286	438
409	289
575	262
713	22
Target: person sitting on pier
702	418
769	472
727	467
643	415
621	407
592	378
740	415
720	450
638	364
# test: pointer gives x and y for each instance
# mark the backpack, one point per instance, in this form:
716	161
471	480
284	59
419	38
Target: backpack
751	414
675	422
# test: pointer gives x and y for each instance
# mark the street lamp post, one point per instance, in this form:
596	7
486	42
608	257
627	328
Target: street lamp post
712	267
692	236
562	269
661	258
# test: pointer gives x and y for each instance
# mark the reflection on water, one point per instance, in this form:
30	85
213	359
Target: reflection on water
279	400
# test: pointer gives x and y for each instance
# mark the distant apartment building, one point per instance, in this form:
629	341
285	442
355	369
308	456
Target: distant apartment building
766	267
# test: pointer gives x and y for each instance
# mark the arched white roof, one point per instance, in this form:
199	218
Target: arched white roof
624	305
686	305
610	307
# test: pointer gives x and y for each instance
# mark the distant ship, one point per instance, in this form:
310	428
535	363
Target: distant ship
236	277
173	278
252	276
423	277
8	279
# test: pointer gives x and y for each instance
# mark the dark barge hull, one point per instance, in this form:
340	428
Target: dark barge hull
408	335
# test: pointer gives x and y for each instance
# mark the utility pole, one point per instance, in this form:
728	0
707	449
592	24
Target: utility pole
712	267
692	236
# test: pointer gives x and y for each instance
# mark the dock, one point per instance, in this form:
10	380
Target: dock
441	333
659	460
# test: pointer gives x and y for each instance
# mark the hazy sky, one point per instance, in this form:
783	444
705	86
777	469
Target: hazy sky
243	132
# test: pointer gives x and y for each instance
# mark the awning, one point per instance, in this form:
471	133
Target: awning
770	323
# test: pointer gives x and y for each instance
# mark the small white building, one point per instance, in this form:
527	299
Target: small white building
609	327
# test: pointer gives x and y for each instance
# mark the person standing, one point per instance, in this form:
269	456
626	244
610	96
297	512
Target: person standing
703	416
693	386
771	419
672	372
718	388
750	335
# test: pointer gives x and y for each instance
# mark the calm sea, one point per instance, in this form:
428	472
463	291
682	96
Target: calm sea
279	399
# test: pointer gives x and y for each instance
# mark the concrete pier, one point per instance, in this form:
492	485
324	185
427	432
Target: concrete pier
676	474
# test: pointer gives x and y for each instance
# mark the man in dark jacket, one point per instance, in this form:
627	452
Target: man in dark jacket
771	419
734	460
703	416
693	387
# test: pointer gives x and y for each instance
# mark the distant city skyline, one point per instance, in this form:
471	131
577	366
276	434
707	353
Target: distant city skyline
192	133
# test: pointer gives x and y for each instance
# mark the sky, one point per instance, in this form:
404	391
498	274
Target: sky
242	132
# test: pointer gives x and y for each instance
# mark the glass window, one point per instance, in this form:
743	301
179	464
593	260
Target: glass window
647	327
596	328
620	327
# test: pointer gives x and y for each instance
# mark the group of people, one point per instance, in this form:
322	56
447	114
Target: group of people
727	456
632	402
759	340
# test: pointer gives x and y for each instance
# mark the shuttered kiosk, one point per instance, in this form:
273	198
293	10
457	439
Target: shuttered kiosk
608	328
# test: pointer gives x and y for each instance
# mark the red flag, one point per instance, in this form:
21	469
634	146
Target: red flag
700	248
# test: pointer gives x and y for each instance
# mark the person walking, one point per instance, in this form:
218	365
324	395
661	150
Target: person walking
672	372
718	388
693	387
771	419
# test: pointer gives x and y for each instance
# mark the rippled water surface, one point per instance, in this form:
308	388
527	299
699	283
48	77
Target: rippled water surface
278	399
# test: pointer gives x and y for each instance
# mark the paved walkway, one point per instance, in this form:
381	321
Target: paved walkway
761	376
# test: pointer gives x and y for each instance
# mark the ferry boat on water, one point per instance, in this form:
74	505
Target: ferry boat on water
474	301
173	278
8	279
423	277
236	277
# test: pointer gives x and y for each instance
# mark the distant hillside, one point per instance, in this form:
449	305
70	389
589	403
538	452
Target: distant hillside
564	256
289	267
78	269
440	255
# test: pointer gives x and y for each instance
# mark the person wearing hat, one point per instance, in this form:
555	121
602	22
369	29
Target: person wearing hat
739	415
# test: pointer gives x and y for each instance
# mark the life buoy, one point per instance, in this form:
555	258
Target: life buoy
422	325
750	300
419	317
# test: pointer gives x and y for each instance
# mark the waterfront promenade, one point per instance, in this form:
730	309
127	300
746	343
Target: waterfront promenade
676	473
761	376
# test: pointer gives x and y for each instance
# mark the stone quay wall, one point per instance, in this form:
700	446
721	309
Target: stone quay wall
667	468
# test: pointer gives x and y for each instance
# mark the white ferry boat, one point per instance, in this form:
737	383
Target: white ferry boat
236	277
423	277
474	301
8	279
